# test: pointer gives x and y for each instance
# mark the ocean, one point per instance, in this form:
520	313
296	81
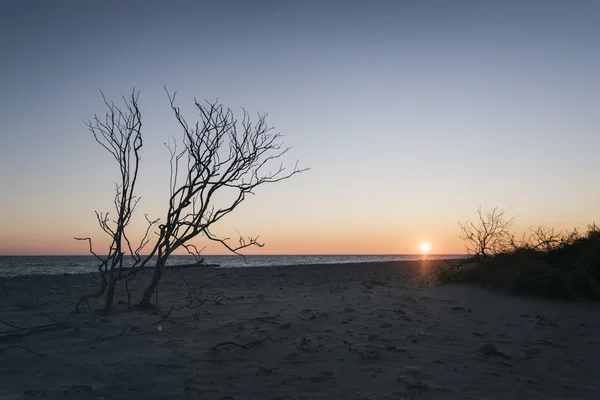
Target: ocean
52	265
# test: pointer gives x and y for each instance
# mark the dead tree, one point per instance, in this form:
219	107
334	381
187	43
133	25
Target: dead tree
119	133
548	239
221	161
491	234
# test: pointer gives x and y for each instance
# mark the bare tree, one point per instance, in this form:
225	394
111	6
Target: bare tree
119	133
547	239
221	162
490	234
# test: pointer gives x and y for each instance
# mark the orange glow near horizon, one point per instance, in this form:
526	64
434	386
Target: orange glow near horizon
288	237
287	243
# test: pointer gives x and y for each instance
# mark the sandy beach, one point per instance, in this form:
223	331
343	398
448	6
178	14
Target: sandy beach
356	331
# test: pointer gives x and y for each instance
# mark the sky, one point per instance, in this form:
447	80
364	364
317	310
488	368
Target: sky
410	114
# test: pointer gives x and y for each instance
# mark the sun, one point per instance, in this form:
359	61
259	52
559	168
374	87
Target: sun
425	247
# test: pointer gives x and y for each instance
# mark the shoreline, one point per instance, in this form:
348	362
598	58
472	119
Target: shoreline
12	266
212	266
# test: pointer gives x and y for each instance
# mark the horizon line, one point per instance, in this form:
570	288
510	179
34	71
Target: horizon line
248	255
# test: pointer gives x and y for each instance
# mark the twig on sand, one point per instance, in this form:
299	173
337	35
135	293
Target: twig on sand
20	332
34	329
128	328
267	370
9	324
2	350
313	316
64	390
242	346
194	299
24	331
374	282
267	319
163	319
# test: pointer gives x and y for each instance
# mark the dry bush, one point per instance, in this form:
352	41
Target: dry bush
546	263
489	234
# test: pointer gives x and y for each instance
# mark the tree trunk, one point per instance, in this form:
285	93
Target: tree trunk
110	294
158	270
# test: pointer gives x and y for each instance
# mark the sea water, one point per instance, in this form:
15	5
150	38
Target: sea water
50	265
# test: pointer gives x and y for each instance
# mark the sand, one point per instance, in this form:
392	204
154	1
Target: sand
357	331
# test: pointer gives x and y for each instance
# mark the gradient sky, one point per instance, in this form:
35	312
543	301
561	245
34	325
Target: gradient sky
410	114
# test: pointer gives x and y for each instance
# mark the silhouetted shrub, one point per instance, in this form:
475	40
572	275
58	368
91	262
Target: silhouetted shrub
566	268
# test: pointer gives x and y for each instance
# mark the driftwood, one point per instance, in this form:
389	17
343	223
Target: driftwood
18	331
242	346
174	267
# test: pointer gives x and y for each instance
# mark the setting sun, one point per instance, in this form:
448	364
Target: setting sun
425	247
